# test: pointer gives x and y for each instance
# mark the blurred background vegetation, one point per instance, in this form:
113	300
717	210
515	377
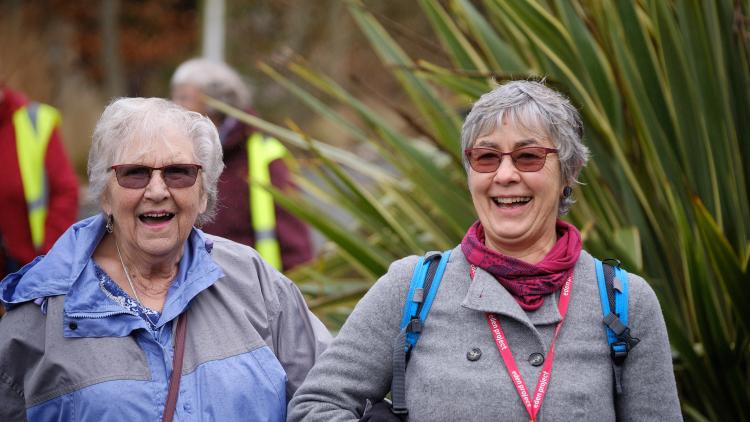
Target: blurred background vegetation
371	96
78	55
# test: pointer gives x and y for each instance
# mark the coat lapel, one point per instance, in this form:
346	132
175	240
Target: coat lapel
485	294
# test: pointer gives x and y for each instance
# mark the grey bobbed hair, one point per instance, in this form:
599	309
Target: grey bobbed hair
215	79
129	120
533	107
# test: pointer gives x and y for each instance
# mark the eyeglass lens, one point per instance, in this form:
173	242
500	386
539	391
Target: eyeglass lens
528	159
136	176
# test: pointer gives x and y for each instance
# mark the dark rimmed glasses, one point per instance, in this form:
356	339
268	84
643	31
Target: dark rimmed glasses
526	159
137	176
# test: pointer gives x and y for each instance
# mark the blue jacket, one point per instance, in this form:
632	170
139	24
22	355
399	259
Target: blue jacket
69	352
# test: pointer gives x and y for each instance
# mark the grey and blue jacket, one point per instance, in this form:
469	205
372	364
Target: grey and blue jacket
68	352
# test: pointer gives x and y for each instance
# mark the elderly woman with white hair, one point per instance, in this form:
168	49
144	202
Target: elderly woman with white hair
135	314
515	331
246	213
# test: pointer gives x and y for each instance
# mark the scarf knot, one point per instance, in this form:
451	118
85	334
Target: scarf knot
527	283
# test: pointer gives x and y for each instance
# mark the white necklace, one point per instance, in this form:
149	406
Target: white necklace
130	282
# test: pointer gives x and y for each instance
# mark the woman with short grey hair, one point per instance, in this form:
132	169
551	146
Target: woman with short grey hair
98	328
515	330
532	106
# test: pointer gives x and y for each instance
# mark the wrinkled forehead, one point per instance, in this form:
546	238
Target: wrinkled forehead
522	119
155	143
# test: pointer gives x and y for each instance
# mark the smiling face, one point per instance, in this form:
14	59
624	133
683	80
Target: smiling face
517	209
154	222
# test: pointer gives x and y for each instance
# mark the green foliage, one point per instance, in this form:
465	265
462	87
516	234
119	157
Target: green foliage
663	89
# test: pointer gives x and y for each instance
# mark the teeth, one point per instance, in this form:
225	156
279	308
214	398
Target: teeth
514	200
157	215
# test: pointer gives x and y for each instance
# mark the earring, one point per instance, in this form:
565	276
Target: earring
567	191
110	227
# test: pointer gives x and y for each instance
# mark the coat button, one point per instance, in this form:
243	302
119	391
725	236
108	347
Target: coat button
474	354
536	359
73	326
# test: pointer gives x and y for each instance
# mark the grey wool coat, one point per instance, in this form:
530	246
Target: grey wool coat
442	384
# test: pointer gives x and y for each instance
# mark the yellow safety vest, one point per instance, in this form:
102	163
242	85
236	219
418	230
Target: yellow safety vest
261	151
33	125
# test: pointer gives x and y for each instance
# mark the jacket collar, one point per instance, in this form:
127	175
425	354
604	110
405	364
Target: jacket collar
68	270
54	273
485	294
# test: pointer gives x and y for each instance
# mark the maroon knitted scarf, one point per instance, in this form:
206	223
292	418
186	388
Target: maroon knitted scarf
527	283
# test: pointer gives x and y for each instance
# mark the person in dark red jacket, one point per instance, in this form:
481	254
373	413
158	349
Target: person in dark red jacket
197	77
59	181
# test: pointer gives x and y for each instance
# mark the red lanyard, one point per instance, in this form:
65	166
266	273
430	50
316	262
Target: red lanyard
532	405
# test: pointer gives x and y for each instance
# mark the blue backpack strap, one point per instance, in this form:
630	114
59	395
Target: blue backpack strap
422	291
417	281
613	292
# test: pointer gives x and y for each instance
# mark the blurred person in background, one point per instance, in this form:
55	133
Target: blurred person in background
246	212
134	314
519	277
39	189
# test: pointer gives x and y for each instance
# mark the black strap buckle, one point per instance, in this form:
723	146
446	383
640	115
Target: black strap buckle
613	262
628	339
619	351
400	411
414	326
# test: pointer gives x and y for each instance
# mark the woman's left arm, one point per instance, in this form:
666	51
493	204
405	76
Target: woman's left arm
298	335
649	389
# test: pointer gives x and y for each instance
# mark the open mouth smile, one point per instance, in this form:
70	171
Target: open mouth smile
509	202
156	217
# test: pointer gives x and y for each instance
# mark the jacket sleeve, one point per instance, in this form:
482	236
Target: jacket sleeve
298	335
20	347
357	365
294	235
11	397
62	208
649	388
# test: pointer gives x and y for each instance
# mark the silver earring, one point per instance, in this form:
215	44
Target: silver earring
567	191
110	227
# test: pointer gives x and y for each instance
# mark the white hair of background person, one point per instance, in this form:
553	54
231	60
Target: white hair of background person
215	79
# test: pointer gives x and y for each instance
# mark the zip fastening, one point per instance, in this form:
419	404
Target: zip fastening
98	315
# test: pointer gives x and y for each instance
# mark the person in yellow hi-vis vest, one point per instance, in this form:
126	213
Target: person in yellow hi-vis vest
39	189
246	212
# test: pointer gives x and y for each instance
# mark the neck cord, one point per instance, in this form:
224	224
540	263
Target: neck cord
125	269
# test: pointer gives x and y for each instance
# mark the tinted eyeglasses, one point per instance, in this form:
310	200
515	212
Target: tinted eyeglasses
136	176
526	159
